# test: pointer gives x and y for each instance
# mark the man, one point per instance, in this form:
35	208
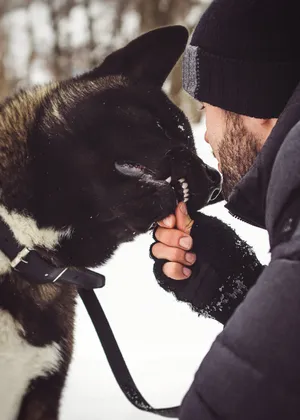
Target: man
243	64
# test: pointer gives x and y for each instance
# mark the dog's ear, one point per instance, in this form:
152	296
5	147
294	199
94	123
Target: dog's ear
148	59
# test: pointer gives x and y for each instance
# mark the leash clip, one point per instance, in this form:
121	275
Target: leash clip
20	258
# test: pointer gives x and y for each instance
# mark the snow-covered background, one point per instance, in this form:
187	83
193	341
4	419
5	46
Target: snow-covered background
162	341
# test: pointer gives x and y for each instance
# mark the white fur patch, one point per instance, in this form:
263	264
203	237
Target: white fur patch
28	234
20	362
4	264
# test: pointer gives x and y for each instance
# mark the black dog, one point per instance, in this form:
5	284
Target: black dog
85	165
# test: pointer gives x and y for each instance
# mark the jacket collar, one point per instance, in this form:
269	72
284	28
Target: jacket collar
248	199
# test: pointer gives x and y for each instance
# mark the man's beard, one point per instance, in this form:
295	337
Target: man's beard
237	152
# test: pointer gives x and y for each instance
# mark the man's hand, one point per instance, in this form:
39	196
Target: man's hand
174	239
215	288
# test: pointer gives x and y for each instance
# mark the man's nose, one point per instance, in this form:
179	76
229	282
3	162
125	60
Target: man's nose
205	137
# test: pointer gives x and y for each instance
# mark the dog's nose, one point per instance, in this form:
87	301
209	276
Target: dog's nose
215	179
214	176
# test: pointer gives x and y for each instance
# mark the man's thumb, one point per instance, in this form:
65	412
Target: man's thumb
183	220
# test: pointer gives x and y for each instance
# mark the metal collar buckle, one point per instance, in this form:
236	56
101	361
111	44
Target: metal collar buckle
20	258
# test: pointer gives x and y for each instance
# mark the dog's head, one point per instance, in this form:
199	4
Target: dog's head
107	153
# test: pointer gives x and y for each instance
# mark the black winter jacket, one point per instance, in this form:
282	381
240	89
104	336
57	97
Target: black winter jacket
252	371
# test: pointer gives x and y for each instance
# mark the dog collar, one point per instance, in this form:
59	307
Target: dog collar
35	269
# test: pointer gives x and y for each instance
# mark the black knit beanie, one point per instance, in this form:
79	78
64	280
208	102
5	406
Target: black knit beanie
244	56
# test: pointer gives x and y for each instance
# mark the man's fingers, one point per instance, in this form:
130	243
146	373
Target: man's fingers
172	244
168	222
173	238
164	252
176	271
183	220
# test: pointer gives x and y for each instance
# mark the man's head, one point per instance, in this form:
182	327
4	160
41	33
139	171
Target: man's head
243	63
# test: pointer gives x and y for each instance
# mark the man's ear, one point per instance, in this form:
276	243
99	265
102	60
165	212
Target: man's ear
148	58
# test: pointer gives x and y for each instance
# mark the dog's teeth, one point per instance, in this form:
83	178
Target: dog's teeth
185	195
185	185
169	180
181	180
186	199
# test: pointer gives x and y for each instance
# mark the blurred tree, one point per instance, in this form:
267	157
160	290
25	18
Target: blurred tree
61	56
42	40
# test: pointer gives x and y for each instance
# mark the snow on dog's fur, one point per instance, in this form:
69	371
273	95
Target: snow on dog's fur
85	164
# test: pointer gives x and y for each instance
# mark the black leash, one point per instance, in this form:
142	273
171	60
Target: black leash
37	270
115	358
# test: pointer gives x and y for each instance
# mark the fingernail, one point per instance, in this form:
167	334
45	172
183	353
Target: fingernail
186	242
186	271
167	221
183	208
191	258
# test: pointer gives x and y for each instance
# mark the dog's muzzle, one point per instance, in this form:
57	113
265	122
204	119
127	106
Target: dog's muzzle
215	180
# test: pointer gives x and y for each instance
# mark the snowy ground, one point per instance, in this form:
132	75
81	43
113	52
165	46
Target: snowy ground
162	341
